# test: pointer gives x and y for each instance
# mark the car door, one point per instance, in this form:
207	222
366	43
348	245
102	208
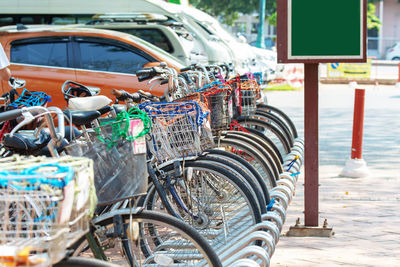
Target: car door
107	64
44	64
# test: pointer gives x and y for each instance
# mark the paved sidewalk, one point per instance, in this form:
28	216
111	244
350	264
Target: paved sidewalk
364	212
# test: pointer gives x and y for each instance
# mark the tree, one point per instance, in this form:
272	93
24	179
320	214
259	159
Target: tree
229	10
372	20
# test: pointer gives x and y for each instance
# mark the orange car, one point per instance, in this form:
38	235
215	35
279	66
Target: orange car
46	56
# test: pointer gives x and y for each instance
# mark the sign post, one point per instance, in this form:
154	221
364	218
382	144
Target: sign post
313	32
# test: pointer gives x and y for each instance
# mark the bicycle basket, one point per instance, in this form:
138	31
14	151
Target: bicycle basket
119	159
83	193
176	129
249	93
246	92
35	205
206	136
219	101
29	99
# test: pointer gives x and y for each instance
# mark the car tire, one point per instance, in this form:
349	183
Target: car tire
396	58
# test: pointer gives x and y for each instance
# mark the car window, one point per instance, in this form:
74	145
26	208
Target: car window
109	57
40	53
154	36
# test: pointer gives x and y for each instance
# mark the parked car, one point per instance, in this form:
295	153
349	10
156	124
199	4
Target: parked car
157	29
394	52
266	62
217	50
48	56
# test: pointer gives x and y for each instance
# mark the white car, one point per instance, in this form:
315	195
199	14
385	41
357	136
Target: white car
161	31
393	53
266	63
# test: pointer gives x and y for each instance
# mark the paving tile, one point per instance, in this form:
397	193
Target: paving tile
364	212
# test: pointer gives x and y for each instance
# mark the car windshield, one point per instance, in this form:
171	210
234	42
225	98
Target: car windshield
158	51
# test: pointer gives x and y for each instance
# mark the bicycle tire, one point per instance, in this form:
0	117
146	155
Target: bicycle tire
82	261
269	156
270	117
256	158
241	174
267	140
280	139
240	161
282	114
265	145
189	236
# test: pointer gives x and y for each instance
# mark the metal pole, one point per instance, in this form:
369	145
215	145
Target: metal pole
260	35
311	149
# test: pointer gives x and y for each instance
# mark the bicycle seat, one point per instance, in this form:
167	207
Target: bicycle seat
105	109
80	118
26	144
88	103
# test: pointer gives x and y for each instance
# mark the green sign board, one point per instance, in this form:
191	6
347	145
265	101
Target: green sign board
321	30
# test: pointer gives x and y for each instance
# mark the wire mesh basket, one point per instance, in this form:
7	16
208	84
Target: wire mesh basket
80	191
119	156
246	92
249	93
219	99
37	202
177	129
206	136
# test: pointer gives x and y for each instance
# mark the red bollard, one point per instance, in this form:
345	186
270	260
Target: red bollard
356	167
358	124
398	79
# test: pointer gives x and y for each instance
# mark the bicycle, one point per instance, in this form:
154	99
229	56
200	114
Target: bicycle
128	216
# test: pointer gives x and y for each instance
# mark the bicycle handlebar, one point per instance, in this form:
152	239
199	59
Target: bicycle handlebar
10	115
136	97
28	117
186	69
144	78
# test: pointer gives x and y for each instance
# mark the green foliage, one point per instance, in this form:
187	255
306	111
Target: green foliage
229	10
372	20
272	19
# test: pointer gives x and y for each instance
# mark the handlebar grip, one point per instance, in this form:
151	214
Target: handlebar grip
117	93
186	68
227	69
142	72
10	115
144	78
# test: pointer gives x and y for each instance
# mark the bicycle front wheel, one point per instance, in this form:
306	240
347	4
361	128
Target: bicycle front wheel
148	237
